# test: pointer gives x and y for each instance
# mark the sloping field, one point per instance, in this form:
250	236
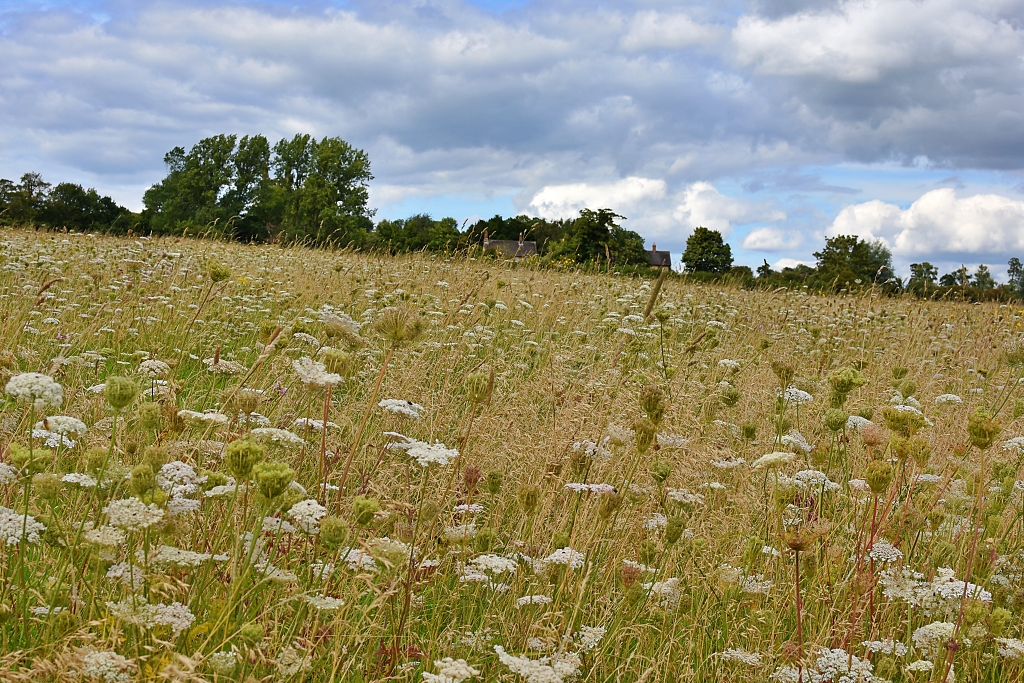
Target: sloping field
525	475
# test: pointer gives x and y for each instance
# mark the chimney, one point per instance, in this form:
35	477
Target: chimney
520	239
654	246
485	238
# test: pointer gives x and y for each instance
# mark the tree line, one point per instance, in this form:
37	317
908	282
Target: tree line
310	191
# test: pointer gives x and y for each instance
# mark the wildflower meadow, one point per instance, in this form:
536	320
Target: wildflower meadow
225	462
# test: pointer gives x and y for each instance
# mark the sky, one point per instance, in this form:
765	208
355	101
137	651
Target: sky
777	122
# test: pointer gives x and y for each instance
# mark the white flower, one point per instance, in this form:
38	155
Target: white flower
450	671
554	669
795	439
590	488
307	515
281	437
589	637
357	559
62	424
742	656
15	527
154	368
774	459
495	564
1014	444
729	364
886	647
314	373
165	556
566	556
108	536
655	521
883	551
948	398
408	409
684	497
856	422
595	451
108	666
210	417
920	666
7	473
83	480
816	481
289	662
36	388
131	514
728	463
933	636
137	611
323	602
666	592
533	600
223	663
223	366
315	425
794	395
432	454
671	440
1011	648
468	509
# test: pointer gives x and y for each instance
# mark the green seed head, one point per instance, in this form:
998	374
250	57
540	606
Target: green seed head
493	482
835	419
845	380
560	540
674	529
983	428
660	471
217	271
48	486
251	633
364	509
610	502
120	391
784	372
529	498
273	478
143	478
333	531
645	431
151	416
652	402
878	476
339	362
479	386
241	455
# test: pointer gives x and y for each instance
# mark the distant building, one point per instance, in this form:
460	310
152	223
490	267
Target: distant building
659	259
510	249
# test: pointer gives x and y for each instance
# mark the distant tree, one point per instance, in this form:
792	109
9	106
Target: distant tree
595	236
764	270
983	278
958	278
417	233
706	252
847	258
71	206
923	272
1015	271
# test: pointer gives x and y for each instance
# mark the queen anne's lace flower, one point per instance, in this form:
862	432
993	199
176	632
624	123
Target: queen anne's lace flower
307	515
554	669
741	656
314	373
432	454
131	514
408	409
137	611
15	526
108	666
281	437
533	600
794	395
35	388
450	671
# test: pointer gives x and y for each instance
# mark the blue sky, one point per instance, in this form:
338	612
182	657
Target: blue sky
778	122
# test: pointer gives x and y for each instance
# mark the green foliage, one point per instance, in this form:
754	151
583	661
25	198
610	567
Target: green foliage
845	259
706	252
34	201
301	190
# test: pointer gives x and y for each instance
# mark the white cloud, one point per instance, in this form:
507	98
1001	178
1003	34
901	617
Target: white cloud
790	263
565	201
862	40
939	222
772	239
701	204
652	30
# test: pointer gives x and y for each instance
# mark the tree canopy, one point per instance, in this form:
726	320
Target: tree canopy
707	252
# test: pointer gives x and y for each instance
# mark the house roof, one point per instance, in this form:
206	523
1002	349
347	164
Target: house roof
659	259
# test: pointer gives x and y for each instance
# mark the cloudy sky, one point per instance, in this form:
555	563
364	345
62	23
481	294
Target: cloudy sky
777	122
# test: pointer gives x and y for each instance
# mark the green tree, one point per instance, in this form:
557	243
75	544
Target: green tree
706	252
847	259
71	206
983	278
1015	271
958	278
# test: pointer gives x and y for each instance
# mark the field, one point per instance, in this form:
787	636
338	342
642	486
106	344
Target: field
256	463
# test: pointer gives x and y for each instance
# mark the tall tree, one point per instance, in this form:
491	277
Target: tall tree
847	259
707	252
1015	271
983	278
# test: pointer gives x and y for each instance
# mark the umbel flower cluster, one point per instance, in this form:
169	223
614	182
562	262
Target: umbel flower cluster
233	463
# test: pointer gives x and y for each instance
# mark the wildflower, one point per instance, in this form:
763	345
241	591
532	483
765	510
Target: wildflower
223	663
468	509
593	450
886	647
730	462
107	536
815	481
281	437
83	480
655	521
289	662
137	611
357	559
667	592
565	556
771	460
943	399
15	527
920	666
314	374
533	600
684	497
210	417
402	408
450	671
494	564
131	514
323	602
883	551
798	396
36	388
460	533
223	366
671	440
307	515
8	474
931	637
1010	648
591	488
554	669
108	666
432	454
588	637
62	424
795	439
729	365
857	422
742	656
154	368
314	425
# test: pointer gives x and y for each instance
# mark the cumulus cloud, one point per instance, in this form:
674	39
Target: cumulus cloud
565	201
939	222
772	239
652	30
701	204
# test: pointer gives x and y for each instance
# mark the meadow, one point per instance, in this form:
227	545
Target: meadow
224	462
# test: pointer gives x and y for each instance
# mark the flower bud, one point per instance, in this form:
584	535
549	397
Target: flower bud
652	402
251	633
241	455
48	486
217	271
338	362
120	391
143	478
333	531
529	498
835	419
273	478
645	432
784	372
983	428
479	386
493	482
364	509
151	416
674	529
845	380
729	396
878	476
610	502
